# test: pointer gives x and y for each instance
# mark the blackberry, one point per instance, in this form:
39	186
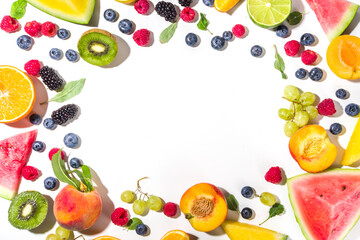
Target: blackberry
50	78
65	114
166	10
185	3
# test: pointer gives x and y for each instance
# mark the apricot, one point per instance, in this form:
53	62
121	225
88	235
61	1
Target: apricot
312	149
76	210
204	206
343	57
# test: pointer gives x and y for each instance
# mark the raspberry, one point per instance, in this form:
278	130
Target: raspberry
187	14
142	37
32	67
33	28
55	150
120	217
9	24
142	6
273	175
170	209
292	48
308	57
30	173
238	30
48	29
326	107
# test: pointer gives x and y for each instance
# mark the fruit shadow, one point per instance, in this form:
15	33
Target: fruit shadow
41	96
297	6
122	55
49	221
94	21
233	9
107	207
354	23
340	150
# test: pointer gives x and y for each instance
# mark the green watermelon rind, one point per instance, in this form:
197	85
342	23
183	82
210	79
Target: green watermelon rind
6	193
303	229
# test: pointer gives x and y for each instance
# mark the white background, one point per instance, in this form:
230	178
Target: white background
176	114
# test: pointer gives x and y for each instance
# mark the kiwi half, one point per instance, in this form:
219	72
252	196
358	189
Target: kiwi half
97	47
28	210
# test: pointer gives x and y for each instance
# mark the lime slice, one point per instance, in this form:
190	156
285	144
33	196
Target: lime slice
268	13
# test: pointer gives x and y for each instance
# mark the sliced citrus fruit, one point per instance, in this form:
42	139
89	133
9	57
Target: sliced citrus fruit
224	5
176	235
106	238
268	13
17	94
126	1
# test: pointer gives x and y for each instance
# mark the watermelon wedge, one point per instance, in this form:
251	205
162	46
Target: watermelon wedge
334	16
327	204
14	155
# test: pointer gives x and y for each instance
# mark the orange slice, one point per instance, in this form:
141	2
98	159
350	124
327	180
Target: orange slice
106	238
176	235
17	94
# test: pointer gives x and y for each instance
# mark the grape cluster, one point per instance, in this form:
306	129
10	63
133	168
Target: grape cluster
61	234
301	109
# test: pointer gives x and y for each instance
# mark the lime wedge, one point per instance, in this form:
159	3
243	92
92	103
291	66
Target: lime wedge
268	13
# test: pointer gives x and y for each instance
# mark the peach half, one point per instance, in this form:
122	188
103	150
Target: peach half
204	206
312	149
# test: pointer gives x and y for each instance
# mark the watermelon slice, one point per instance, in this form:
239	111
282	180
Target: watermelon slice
14	155
334	15
327	204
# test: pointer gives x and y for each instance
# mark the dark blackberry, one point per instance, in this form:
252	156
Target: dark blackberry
65	114
50	78
185	3
166	10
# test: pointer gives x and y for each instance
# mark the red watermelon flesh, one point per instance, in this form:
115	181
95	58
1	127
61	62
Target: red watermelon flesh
14	155
334	16
327	204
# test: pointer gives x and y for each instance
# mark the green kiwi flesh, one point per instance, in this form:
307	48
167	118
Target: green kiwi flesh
28	210
97	47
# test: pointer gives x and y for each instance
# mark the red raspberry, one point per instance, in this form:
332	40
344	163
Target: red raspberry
238	30
120	217
33	28
187	14
308	57
32	67
170	209
55	150
48	29
142	6
292	48
9	24
326	107
273	175
142	37
30	173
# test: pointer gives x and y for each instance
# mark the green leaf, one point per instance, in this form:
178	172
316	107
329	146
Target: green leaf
232	203
18	9
275	210
86	171
58	166
70	90
294	18
131	225
203	23
279	64
168	33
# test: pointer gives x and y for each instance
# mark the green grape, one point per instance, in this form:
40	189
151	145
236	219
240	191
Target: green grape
290	128
127	196
307	98
291	93
154	203
301	118
312	111
62	233
285	114
267	199
139	207
294	108
52	237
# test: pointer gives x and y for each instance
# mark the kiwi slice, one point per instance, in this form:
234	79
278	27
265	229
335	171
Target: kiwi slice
28	210
97	47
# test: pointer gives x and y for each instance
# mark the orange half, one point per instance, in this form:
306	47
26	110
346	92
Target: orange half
106	238
17	94
176	235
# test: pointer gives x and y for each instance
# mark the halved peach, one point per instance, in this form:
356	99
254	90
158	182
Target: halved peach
312	149
204	206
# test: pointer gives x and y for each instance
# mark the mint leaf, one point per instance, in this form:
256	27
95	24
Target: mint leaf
168	33
275	210
70	90
232	203
18	9
294	18
203	23
131	225
279	64
58	166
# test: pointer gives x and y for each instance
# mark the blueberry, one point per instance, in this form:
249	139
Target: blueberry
256	51
247	192
55	53
49	123
38	146
352	109
246	213
217	42
71	55
110	15
191	39
341	93
35	119
307	39
227	35
75	163
208	3
71	140
282	31
50	183
125	26
141	229
63	33
24	42
316	74
336	128
301	73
